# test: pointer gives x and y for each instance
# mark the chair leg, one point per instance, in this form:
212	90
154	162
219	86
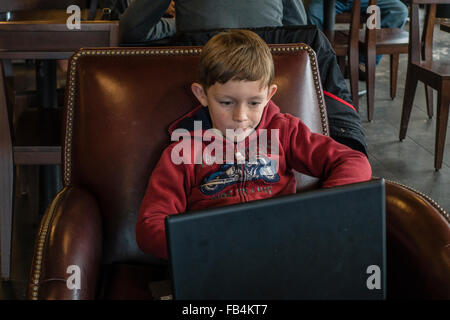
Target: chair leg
441	124
394	74
370	81
429	98
408	99
353	66
6	182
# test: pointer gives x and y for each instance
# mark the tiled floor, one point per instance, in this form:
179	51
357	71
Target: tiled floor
409	162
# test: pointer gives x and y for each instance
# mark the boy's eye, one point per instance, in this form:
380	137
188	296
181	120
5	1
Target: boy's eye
225	103
255	103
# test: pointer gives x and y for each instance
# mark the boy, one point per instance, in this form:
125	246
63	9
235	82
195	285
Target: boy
236	72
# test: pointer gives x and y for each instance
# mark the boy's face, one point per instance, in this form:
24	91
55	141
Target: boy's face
236	105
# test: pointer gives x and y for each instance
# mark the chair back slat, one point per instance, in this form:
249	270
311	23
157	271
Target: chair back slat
421	45
414	34
427	33
355	24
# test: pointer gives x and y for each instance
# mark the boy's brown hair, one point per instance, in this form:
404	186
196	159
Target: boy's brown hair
235	55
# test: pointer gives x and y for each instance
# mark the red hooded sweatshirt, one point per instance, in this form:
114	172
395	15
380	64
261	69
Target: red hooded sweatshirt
182	182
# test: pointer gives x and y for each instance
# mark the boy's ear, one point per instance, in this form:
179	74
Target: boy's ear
271	91
200	94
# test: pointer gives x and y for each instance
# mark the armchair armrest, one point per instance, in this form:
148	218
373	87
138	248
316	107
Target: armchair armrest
70	234
418	245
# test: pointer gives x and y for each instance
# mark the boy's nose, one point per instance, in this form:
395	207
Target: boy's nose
239	114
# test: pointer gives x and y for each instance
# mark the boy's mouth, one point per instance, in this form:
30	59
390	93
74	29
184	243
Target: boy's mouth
238	134
241	130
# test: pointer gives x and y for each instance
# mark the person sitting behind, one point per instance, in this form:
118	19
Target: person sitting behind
393	14
235	88
142	21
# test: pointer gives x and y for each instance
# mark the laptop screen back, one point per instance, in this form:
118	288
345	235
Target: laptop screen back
324	244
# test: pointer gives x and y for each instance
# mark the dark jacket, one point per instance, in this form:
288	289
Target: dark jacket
142	16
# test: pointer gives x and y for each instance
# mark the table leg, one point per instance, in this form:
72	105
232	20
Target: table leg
50	175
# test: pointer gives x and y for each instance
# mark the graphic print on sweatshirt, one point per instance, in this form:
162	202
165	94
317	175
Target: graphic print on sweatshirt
228	174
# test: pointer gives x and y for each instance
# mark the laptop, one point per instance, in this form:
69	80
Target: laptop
322	244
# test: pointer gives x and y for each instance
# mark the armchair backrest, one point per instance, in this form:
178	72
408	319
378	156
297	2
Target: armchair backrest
119	104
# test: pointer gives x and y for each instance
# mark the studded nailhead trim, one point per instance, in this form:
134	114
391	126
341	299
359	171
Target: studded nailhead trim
431	201
39	250
159	52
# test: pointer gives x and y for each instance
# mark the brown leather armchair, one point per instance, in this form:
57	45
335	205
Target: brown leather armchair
119	103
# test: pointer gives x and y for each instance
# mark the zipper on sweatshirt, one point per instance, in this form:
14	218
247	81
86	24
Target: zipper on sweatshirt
241	184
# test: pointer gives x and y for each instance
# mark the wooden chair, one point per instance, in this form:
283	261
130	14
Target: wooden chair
345	44
34	139
392	41
435	74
